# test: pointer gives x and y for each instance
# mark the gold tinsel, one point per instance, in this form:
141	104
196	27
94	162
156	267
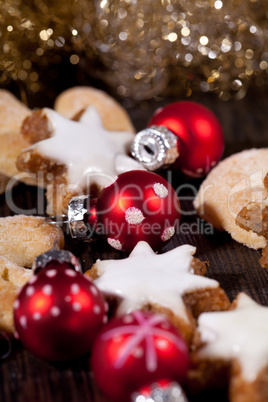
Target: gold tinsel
139	48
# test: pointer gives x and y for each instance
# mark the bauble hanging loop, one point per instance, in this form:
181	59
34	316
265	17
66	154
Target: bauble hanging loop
82	217
59	256
155	147
191	128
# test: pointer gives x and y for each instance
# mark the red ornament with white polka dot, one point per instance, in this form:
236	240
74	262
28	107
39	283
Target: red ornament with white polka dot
139	205
59	312
136	350
185	136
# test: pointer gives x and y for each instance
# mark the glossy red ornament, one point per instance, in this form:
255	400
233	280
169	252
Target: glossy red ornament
200	136
135	350
59	312
139	205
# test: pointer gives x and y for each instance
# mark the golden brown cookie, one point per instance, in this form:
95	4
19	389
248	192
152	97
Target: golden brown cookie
114	117
12	113
12	278
22	239
231	185
230	350
254	217
168	283
73	157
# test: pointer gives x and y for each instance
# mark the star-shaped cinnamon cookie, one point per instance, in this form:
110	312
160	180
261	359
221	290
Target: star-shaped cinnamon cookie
72	156
160	282
237	340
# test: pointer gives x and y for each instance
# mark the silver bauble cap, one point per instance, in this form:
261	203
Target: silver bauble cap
155	147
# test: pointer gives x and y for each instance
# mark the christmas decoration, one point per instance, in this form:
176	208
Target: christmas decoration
136	350
58	312
139	205
182	135
178	46
162	391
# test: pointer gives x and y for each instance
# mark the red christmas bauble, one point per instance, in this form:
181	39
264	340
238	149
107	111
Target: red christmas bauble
135	350
58	313
201	140
139	205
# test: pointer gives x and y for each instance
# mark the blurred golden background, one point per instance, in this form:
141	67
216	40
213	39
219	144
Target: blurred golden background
135	49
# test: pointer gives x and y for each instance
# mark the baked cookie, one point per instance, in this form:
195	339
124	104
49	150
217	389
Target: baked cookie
254	217
231	348
22	238
12	278
230	186
71	102
73	157
168	283
12	113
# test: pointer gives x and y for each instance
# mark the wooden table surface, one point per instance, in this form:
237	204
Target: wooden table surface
24	377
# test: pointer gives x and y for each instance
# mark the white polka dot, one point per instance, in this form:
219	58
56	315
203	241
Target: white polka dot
213	163
106	307
75	288
115	243
134	216
16	335
30	290
51	273
36	316
23	321
94	290
168	233
160	190
32	280
47	289
55	311
16	304
67	299
200	170
96	309
77	306
70	272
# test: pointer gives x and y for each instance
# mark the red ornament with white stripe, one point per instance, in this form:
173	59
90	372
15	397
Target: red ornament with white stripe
135	350
138	206
59	312
184	136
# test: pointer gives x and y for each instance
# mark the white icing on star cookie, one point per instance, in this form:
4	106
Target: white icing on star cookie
87	148
237	334
146	277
